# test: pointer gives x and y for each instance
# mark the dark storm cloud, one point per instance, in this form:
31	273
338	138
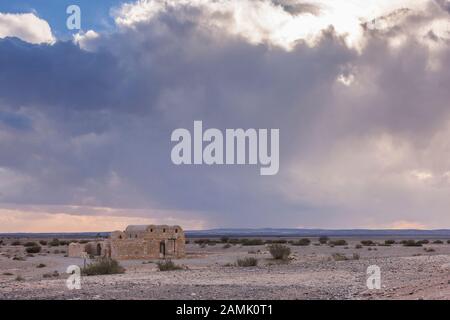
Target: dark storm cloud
98	122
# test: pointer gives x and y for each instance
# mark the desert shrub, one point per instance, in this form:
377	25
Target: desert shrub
279	252
367	243
16	243
224	239
389	242
43	243
429	249
19	278
233	241
338	242
448	241
247	262
339	257
18	258
54	243
63	242
7	274
323	240
424	241
358	246
83	241
279	241
302	242
103	266
212	243
30	244
41	265
226	246
54	274
201	241
167	265
355	256
34	249
252	242
411	243
438	242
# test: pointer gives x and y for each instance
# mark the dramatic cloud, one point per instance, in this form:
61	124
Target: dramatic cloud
359	91
25	26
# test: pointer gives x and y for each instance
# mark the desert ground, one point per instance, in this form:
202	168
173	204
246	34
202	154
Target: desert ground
209	271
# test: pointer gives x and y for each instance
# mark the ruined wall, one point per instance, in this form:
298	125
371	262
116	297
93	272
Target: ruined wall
75	250
92	248
141	242
148	242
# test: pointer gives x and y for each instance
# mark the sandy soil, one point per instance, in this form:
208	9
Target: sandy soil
312	273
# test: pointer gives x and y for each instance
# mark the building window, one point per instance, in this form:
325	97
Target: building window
176	230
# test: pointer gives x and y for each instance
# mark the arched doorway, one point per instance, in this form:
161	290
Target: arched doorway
99	249
162	248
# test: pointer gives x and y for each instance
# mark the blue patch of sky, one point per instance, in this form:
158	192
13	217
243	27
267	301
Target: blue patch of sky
95	14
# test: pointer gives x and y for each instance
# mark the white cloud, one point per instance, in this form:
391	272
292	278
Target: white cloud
25	26
273	23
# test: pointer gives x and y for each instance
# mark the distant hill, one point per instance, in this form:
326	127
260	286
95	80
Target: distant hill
285	232
261	232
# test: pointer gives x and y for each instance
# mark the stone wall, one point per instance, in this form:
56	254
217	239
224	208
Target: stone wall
140	242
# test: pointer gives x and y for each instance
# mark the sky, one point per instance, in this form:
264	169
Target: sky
359	90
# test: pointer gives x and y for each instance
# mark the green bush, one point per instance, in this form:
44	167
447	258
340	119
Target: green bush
339	257
30	244
279	252
54	243
43	243
338	242
167	265
224	239
438	242
358	246
247	262
302	242
252	242
35	249
411	243
103	266
389	242
323	240
367	243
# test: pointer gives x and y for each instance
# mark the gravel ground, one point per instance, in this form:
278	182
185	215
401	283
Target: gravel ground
311	273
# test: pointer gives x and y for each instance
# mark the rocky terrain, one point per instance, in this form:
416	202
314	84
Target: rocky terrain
209	272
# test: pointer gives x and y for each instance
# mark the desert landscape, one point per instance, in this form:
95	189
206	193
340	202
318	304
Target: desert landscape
224	268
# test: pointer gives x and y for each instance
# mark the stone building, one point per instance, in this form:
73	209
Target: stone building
137	242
